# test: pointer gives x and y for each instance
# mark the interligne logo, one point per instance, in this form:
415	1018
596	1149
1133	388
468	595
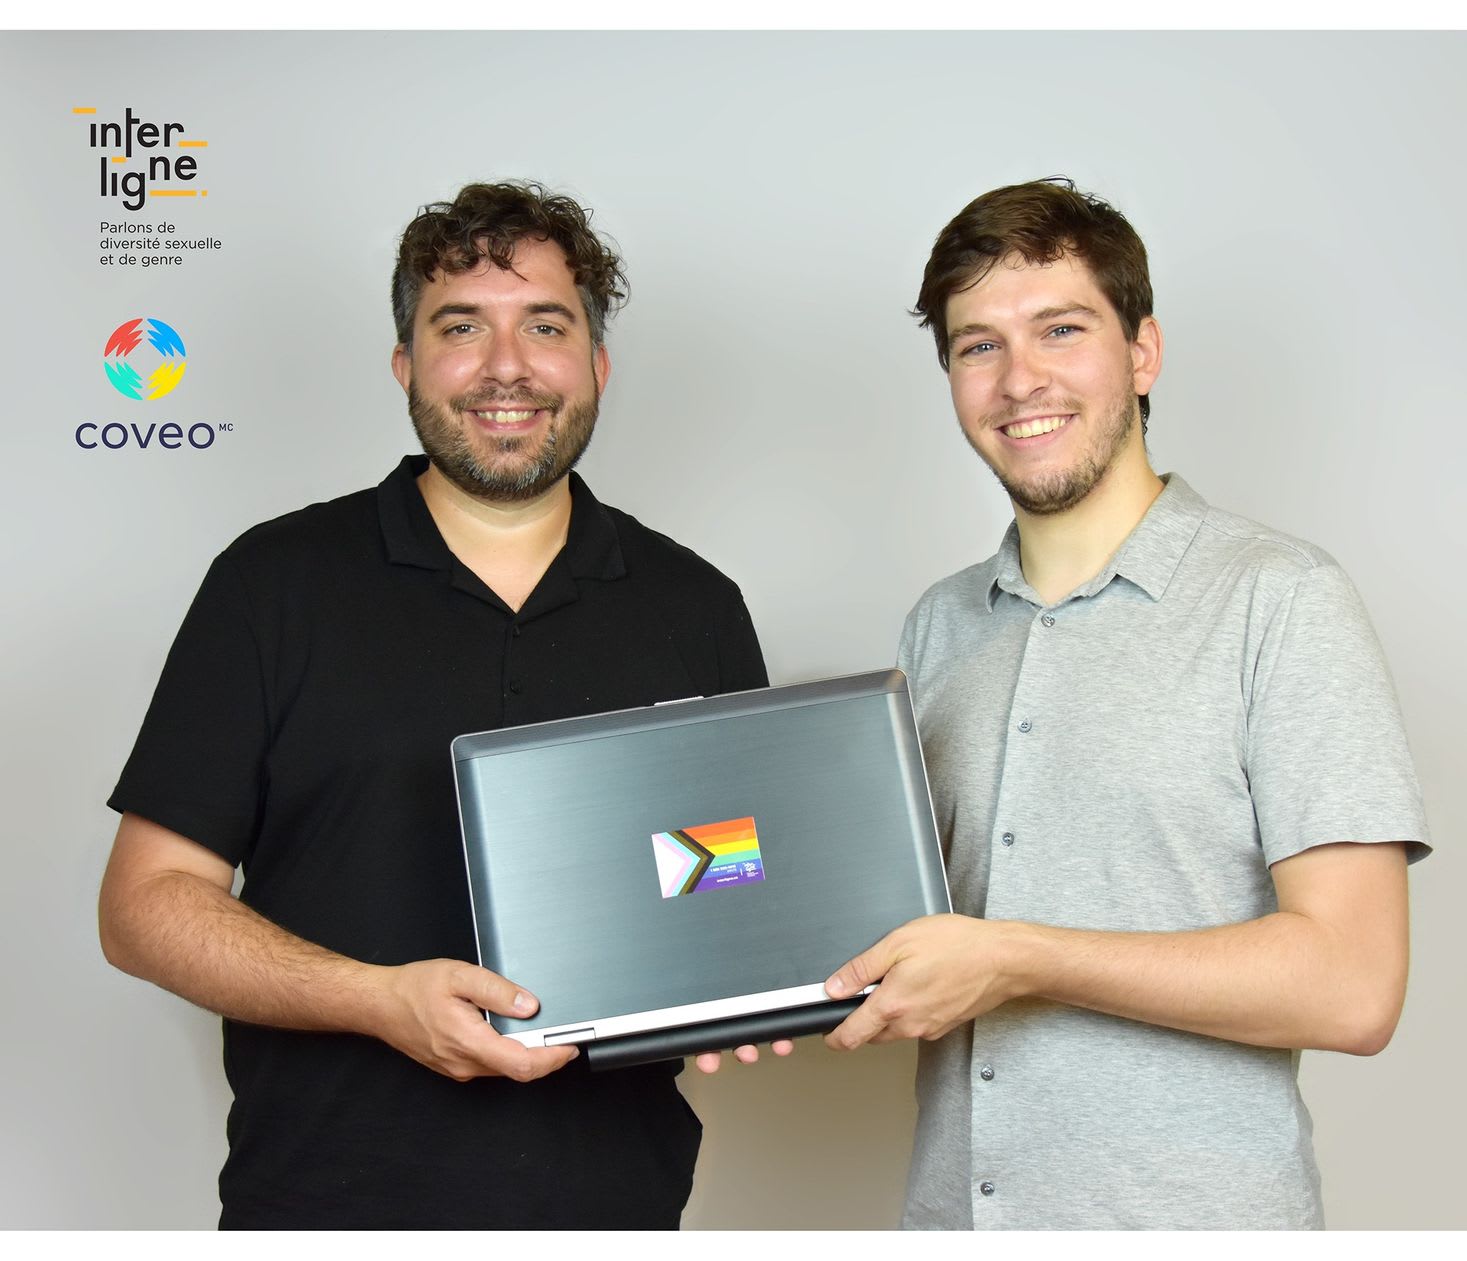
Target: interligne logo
140	160
144	359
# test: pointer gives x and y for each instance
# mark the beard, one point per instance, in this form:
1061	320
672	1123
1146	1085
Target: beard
1060	490
503	469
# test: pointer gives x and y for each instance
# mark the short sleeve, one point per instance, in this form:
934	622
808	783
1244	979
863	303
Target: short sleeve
907	646
1327	758
197	766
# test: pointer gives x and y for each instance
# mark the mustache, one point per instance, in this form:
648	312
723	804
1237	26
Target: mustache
508	400
996	420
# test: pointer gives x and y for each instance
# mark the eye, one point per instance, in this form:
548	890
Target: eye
453	330
545	330
974	349
1064	330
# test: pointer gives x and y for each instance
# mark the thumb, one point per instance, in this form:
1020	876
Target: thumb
495	993
865	969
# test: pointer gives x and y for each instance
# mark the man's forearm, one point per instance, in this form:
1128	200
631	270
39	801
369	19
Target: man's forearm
1327	970
1283	981
167	915
197	940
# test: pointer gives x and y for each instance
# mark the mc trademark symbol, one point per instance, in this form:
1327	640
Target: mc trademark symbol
226	426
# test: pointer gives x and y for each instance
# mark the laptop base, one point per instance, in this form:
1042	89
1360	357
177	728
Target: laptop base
717	1035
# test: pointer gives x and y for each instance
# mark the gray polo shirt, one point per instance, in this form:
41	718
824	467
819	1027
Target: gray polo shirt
1134	758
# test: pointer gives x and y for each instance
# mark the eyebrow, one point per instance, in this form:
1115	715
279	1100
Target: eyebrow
1055	312
1038	317
534	308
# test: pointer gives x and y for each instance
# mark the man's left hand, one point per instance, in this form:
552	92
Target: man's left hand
935	974
709	1061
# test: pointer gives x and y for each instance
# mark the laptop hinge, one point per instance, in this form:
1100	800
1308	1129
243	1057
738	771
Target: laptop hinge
588	1034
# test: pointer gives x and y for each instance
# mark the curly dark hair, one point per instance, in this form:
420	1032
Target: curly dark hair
488	221
1039	221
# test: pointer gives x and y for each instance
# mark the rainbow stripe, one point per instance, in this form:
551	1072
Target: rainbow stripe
710	856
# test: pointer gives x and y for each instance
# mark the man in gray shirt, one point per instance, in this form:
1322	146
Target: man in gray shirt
1169	769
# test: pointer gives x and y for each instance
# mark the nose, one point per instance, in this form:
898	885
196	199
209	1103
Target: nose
1025	373
505	362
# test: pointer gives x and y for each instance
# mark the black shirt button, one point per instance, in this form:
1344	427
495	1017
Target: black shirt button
987	1188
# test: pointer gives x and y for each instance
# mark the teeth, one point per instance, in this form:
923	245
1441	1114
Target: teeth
1033	428
505	418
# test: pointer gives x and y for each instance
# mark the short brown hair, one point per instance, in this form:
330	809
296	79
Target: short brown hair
488	221
1039	221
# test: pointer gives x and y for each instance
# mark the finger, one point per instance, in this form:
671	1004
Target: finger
747	1054
495	993
709	1062
505	1057
859	1028
546	1059
783	1047
865	969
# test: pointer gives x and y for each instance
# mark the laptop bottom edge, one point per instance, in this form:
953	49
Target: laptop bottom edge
718	1035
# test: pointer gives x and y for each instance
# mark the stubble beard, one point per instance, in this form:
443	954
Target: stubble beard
1061	490
449	448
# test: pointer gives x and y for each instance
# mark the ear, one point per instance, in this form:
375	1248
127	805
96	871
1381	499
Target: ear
402	366
1146	355
600	365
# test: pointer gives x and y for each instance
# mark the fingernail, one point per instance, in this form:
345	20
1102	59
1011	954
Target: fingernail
832	987
523	1003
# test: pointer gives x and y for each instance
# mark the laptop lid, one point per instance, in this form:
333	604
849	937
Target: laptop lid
697	862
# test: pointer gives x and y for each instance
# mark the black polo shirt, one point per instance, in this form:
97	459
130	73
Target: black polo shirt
301	728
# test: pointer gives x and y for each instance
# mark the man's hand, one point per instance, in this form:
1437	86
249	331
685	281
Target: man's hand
710	1061
1327	970
433	1014
166	914
935	974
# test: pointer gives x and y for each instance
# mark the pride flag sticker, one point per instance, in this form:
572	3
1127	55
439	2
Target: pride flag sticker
710	856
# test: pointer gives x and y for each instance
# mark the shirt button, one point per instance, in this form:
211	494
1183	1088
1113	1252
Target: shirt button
514	689
516	632
987	1188
1007	838
986	1072
1047	619
1026	725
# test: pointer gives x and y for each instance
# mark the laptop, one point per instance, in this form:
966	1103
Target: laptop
684	877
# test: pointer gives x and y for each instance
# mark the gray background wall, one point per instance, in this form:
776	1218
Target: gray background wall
771	404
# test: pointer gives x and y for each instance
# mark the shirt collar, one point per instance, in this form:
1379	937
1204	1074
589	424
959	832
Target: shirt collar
1148	557
1008	573
592	547
1153	550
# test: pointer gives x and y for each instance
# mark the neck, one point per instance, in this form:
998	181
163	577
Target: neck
508	545
1064	550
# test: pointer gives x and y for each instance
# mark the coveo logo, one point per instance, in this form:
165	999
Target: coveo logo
170	436
164	360
146	346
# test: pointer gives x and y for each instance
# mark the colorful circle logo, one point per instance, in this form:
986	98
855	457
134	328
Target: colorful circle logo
164	362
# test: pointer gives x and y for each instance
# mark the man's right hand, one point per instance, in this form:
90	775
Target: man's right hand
166	914
434	1014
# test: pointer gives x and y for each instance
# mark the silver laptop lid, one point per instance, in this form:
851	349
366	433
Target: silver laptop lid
696	860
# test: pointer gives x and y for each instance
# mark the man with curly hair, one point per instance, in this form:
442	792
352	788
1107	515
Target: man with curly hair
301	731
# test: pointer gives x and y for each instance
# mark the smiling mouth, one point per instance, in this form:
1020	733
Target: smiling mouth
498	416
1033	428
